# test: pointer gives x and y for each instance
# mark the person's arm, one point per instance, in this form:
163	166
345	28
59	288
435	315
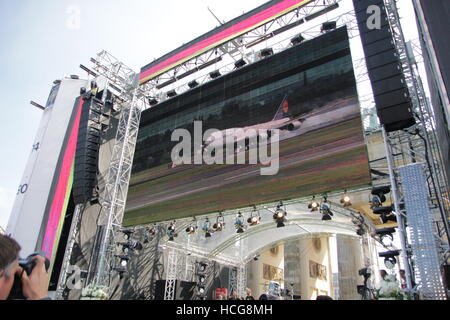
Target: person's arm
35	285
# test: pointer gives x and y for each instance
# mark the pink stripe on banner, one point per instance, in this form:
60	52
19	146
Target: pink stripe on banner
223	35
60	194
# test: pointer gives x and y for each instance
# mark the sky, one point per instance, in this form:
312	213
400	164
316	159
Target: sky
45	40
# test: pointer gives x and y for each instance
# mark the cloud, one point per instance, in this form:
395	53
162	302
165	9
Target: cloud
6	203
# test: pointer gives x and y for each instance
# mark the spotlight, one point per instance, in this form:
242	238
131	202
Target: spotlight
385	235
171	231
297	40
127	233
329	25
220	223
325	209
280	215
379	196
190	230
314	205
240	63
387	218
360	231
239	223
123	260
202	266
345	200
193	84
152	101
171	93
207	228
201	290
215	74
266	52
254	218
202	279
389	258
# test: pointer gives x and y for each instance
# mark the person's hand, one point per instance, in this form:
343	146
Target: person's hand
34	286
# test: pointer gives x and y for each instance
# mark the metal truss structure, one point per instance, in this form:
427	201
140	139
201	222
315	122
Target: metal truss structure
171	275
74	229
412	145
118	76
223	57
415	144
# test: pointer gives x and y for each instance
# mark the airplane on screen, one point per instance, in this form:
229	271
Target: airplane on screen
282	121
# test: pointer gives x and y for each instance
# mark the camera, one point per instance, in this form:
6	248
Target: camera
27	265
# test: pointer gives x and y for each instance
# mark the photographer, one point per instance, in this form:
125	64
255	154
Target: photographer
34	286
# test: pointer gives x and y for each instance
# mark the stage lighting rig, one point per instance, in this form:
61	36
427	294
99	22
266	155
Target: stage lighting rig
171	231
313	205
131	244
220	223
127	233
328	26
202	266
239	223
361	230
385	213
389	258
254	218
123	260
325	209
345	200
207	228
280	215
385	235
379	196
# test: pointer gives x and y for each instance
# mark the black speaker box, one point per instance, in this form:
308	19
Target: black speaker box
86	155
392	101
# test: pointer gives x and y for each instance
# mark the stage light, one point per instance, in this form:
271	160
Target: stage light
386	236
313	205
239	223
345	200
297	40
171	231
193	84
254	218
207	228
325	209
240	63
215	74
190	230
387	218
379	196
152	101
266	52
123	260
389	258
329	25
127	233
202	266
202	279
280	215
220	223
360	231
201	290
171	93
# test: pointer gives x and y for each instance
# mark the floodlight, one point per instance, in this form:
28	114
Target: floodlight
171	93
215	74
193	84
297	40
280	215
329	25
254	218
239	223
389	258
345	200
240	63
266	52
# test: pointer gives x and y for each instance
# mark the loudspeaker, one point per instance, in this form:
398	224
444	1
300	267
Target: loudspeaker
391	95
86	155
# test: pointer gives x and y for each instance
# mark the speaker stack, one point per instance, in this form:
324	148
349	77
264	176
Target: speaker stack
86	155
392	99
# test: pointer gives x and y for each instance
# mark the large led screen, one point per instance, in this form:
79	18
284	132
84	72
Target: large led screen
308	92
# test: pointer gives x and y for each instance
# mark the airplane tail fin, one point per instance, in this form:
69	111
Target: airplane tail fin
283	109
